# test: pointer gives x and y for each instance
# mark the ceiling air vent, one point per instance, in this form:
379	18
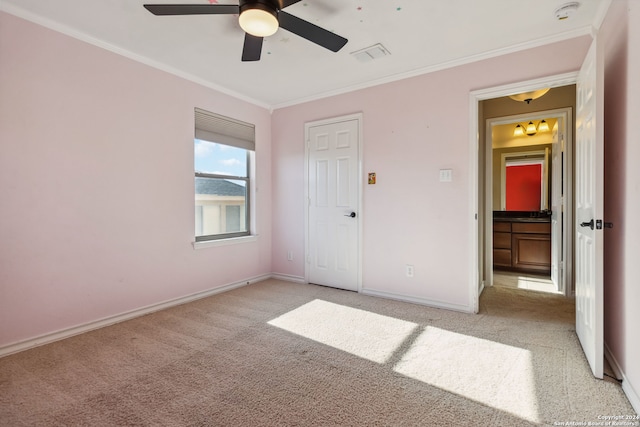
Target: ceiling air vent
370	53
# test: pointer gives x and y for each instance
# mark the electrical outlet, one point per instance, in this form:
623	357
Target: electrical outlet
290	255
409	270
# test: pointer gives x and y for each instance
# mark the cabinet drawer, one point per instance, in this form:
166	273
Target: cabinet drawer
504	227
501	240
502	258
531	227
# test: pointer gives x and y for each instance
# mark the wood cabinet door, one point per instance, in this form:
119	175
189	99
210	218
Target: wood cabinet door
531	252
502	257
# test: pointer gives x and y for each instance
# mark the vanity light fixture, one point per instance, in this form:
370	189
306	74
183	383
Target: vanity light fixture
543	126
518	131
531	129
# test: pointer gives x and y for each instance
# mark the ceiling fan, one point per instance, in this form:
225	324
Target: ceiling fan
259	19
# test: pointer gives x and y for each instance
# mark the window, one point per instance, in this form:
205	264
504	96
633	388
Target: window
223	149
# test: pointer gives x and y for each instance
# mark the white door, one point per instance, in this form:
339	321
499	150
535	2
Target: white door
333	198
557	207
589	208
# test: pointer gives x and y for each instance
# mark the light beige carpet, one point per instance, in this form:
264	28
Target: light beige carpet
284	354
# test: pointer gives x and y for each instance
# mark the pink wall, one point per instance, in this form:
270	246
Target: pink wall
96	185
621	36
412	128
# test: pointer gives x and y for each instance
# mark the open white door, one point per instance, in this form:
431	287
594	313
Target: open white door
557	208
333	203
589	208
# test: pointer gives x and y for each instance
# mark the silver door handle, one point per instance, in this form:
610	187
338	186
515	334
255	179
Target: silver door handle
351	215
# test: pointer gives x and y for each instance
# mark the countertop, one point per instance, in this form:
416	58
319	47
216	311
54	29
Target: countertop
521	216
523	219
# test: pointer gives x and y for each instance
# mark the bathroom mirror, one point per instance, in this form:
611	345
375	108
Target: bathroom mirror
521	169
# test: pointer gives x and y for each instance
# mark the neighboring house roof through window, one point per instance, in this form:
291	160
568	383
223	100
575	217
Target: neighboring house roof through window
219	187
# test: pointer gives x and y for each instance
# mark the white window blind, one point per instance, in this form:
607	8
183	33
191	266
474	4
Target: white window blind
224	130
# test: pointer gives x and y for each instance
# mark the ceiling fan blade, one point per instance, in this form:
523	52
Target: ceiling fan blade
311	32
286	3
193	9
252	47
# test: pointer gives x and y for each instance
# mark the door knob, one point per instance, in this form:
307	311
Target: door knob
587	224
598	224
351	215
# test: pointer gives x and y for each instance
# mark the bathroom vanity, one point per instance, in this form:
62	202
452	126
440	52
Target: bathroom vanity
522	241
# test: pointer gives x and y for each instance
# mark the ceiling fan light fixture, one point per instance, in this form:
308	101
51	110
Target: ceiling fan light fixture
258	20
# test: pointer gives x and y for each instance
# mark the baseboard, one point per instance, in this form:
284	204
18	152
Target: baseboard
415	300
627	388
111	320
288	278
617	371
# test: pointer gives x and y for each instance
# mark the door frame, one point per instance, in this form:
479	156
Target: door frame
476	214
307	201
566	114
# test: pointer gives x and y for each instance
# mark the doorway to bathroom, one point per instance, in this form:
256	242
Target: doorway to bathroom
528	178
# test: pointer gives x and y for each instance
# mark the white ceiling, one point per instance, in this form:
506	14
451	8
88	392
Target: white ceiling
421	35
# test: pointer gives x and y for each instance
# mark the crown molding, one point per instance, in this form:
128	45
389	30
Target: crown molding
79	35
583	31
71	32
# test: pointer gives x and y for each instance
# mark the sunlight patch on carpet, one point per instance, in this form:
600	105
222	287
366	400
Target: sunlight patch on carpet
536	284
364	334
498	375
528	282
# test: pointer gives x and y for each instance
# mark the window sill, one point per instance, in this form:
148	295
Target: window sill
224	242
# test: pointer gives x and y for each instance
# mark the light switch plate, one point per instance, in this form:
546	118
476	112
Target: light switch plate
446	175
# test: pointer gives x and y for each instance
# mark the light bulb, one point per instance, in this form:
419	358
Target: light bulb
258	22
531	129
518	131
543	127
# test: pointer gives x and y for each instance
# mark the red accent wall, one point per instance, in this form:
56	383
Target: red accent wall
523	187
